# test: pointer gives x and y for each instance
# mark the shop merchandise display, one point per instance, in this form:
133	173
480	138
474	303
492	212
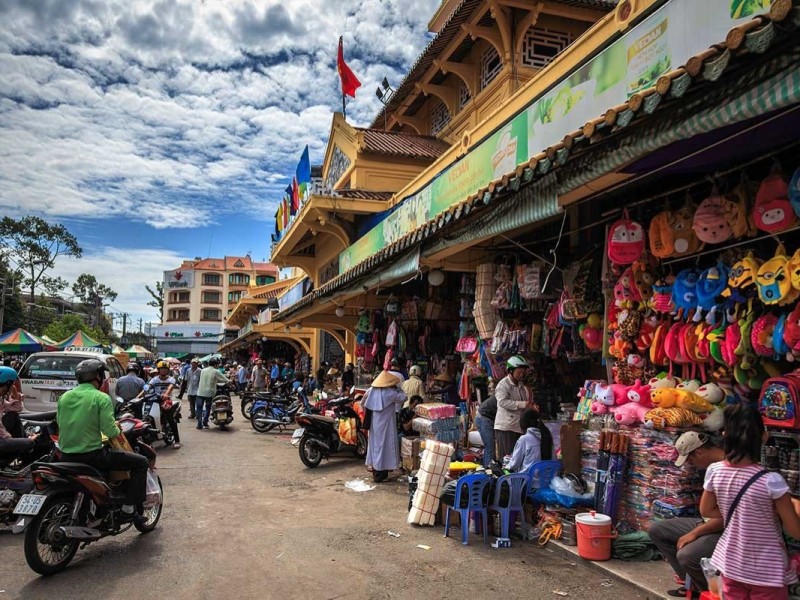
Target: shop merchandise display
434	467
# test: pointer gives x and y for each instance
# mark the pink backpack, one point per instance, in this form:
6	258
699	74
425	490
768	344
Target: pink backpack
625	240
710	222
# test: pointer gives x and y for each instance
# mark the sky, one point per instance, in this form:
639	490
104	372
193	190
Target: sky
158	130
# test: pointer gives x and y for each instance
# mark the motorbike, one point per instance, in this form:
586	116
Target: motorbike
277	390
277	412
222	407
74	504
319	434
15	467
152	413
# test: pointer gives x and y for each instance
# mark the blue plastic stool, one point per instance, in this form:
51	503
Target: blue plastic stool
517	484
473	486
541	473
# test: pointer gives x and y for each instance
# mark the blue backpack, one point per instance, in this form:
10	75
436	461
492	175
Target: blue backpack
794	192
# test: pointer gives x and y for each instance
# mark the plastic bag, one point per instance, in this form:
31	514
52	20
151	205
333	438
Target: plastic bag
348	431
712	577
153	490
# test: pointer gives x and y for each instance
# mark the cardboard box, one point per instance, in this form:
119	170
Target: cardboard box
411	463
410	446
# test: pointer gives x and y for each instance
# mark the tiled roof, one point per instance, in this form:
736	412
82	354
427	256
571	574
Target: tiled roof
210	264
238	262
363	195
752	36
423	147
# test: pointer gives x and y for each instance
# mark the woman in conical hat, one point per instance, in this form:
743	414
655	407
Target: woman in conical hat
384	400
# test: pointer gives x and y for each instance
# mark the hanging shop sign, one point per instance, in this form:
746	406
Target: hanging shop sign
179	279
293	294
661	42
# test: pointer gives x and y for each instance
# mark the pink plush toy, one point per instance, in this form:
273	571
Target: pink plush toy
630	414
640	394
620	393
604	399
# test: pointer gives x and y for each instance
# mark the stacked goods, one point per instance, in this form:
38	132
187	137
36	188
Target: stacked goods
410	450
438	421
656	488
590	447
611	466
430	481
483	311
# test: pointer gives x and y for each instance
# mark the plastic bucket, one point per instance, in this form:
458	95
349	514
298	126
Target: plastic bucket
595	533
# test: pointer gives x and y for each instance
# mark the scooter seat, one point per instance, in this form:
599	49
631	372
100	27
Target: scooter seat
73	468
49	415
321	418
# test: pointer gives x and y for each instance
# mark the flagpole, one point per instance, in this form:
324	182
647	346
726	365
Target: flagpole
344	110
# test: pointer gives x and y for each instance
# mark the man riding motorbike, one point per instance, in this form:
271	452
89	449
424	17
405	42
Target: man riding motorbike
84	414
8	377
164	383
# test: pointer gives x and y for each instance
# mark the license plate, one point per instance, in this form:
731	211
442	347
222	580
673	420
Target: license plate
297	435
54	396
30	504
221	416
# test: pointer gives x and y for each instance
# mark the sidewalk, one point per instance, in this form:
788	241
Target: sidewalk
653	578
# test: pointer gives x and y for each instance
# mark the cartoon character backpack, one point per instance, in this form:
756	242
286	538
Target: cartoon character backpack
761	335
710	285
662	295
773	281
742	279
684	239
779	344
684	290
772	211
662	240
793	266
625	240
778	401
625	290
710	222
643	279
737	211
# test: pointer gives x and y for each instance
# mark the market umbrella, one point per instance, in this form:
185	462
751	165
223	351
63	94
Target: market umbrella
79	340
138	351
208	357
19	340
49	341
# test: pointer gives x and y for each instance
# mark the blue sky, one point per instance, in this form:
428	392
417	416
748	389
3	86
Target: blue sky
157	129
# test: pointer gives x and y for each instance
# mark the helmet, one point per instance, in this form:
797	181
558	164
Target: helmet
7	375
162	364
415	370
516	362
132	367
88	370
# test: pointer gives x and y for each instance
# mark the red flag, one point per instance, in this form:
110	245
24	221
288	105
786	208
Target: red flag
350	82
295	196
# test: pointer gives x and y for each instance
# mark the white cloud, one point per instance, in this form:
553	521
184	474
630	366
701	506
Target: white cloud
126	271
115	108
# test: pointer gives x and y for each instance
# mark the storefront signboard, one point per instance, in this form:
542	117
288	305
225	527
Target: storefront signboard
179	279
292	295
661	42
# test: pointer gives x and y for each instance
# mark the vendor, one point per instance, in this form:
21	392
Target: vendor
414	386
512	400
348	378
685	540
407	415
535	444
446	388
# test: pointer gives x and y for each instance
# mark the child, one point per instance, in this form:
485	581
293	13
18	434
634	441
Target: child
535	445
751	554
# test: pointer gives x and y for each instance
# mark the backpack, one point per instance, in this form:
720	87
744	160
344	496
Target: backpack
684	290
773	280
773	212
736	211
742	279
793	266
761	335
794	192
662	241
684	239
710	285
625	240
710	221
778	401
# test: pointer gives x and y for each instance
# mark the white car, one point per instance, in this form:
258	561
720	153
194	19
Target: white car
45	376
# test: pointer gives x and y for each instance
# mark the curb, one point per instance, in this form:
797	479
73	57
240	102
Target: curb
606	568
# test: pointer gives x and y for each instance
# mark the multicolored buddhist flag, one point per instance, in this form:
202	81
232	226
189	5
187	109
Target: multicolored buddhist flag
303	177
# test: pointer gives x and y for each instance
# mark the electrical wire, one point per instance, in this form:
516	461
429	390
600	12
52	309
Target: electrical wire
553	252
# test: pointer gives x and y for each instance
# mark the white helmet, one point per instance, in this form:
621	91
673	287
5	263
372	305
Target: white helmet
516	362
415	371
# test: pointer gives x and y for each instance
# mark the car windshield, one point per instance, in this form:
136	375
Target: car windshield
50	367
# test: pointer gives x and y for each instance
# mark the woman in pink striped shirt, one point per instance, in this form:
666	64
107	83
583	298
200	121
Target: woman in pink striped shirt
751	555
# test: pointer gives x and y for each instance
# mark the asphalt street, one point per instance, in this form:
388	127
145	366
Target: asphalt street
244	518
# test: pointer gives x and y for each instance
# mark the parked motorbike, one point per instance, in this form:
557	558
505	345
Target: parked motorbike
277	390
222	407
319	434
277	412
15	467
75	504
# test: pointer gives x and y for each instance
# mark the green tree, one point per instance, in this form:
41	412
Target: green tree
12	313
158	298
65	326
31	245
93	295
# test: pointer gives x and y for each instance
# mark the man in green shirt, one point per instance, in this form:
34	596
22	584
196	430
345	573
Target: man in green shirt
84	415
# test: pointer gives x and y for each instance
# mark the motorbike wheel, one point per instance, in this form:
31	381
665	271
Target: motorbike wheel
360	449
152	514
310	454
42	554
247	406
261	413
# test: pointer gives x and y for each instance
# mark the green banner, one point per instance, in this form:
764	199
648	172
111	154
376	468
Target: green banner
664	40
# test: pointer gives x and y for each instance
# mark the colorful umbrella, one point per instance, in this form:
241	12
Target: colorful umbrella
80	340
137	351
20	340
49	341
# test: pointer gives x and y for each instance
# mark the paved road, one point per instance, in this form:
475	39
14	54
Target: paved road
244	519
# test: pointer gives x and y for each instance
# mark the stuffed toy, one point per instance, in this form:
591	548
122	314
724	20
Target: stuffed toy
647	332
681	398
710	221
773	211
639	394
630	414
625	291
711	392
712	282
620	393
737	212
714	420
603	399
625	240
662	240
661	418
690	385
662	380
774	281
663	397
684	291
684	239
741	281
793	266
662	295
643	280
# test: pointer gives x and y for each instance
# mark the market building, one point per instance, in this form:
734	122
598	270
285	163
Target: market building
591	211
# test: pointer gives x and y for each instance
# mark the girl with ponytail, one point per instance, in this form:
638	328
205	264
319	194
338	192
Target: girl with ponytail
536	444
